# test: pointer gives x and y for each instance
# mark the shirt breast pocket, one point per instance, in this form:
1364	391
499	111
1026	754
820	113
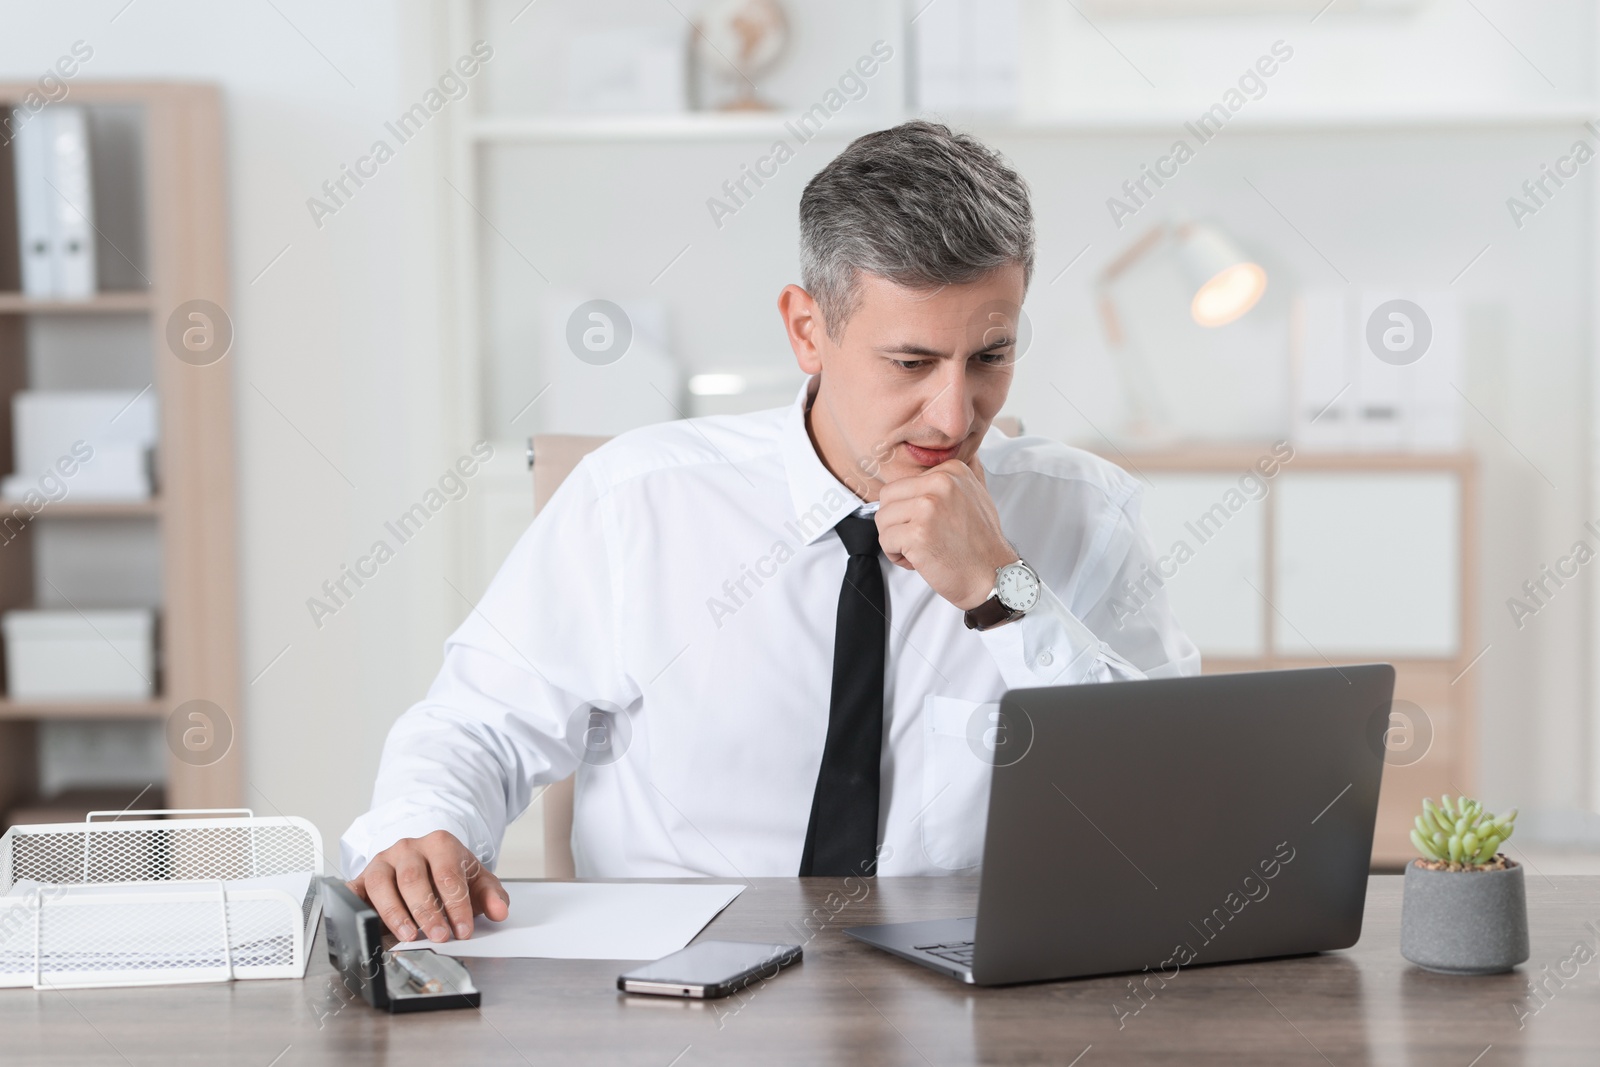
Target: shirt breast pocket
958	742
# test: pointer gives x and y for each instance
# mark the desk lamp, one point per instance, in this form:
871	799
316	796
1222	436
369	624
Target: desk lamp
1225	282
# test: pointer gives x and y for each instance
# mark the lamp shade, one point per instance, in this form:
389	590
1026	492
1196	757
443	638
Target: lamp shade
1227	282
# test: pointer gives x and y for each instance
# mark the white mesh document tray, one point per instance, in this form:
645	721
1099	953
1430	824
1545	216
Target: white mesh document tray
142	901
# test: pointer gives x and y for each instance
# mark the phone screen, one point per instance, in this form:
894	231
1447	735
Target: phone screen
710	963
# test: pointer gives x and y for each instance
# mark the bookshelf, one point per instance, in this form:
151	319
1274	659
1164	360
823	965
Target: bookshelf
164	238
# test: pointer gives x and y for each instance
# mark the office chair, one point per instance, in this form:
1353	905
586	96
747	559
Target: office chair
553	457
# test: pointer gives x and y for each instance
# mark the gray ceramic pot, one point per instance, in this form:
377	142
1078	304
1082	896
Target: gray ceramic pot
1464	922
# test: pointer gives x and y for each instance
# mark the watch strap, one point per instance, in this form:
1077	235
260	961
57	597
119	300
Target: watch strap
989	614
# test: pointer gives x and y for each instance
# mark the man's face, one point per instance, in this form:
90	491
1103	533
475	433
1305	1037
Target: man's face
914	380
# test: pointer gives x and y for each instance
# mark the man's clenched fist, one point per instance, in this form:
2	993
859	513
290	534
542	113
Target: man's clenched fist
431	884
943	525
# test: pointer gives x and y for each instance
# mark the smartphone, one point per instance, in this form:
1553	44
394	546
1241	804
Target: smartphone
709	969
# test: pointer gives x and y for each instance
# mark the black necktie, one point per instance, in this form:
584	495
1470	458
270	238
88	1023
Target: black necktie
842	838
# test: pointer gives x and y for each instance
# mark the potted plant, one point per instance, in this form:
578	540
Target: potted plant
1465	910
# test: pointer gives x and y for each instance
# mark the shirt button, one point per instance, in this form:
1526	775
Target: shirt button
1045	659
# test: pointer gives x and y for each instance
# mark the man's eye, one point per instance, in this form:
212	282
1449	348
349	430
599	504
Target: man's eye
910	364
995	359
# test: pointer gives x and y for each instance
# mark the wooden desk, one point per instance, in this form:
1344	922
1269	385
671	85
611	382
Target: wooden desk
848	1004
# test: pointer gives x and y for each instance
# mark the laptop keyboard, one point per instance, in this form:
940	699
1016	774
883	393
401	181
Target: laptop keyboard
954	951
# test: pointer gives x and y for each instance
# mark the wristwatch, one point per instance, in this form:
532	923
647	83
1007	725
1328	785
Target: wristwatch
1016	591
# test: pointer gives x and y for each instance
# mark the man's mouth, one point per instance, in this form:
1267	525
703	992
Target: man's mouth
931	457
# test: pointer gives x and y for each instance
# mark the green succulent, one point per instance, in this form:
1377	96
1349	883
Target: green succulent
1461	834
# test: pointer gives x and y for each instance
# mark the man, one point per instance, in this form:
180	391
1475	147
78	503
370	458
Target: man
716	596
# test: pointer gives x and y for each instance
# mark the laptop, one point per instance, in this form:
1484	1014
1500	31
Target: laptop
1169	823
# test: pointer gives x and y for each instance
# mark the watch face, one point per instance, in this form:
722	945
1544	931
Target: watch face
1017	586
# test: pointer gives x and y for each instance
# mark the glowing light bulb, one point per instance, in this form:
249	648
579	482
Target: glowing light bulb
1228	294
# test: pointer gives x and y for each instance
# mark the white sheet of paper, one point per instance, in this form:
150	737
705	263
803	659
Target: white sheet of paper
593	921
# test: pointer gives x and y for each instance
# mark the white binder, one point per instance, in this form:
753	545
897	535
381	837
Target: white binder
1347	398
73	203
1325	400
55	203
33	204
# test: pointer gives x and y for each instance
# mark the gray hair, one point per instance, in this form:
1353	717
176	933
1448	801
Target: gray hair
916	204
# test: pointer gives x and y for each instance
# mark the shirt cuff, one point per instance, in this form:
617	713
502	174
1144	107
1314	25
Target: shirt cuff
383	826
1051	646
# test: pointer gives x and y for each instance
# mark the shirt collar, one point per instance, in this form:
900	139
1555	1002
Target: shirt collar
820	500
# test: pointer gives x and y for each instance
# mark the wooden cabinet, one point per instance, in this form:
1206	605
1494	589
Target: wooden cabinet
1368	563
1335	559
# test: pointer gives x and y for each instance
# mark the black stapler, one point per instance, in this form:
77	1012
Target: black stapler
420	980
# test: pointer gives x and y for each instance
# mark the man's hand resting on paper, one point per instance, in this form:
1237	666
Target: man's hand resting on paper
431	885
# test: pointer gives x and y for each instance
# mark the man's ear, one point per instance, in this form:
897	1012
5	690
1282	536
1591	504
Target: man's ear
802	321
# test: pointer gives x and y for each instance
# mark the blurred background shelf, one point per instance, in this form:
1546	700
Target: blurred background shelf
38	710
102	303
100	509
685	127
71	805
703	126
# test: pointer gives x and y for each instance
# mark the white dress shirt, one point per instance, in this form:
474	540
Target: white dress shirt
665	629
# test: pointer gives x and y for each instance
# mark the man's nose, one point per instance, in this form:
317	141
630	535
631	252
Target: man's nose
949	410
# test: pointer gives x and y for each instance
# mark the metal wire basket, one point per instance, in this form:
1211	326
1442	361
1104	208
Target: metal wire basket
146	901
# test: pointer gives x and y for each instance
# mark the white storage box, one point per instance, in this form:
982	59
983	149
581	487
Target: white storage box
68	655
54	432
140	901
